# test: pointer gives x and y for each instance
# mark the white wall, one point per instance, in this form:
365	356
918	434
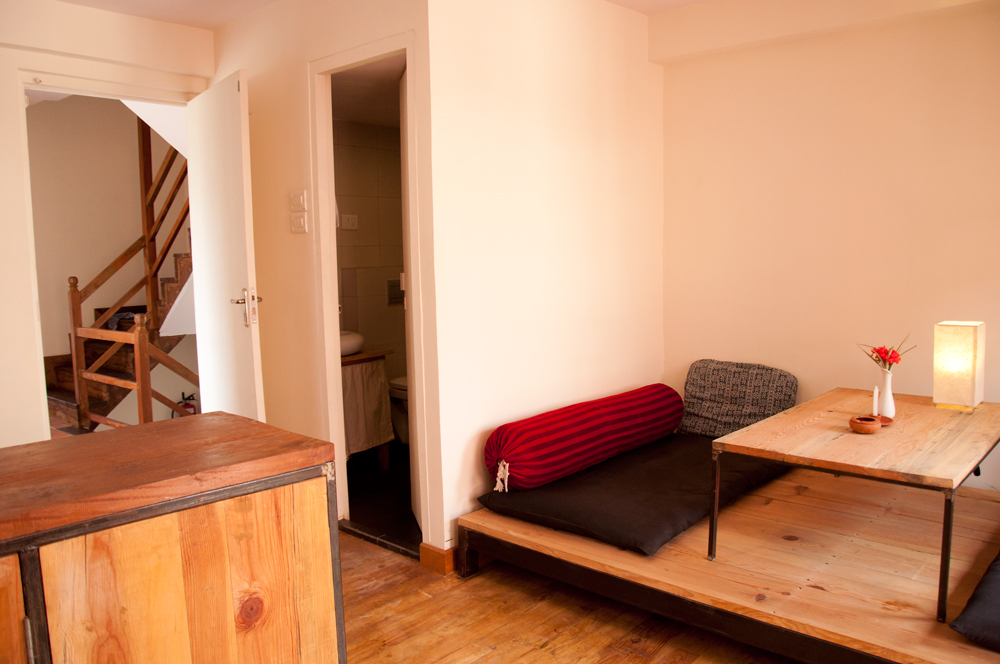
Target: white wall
547	167
548	180
276	45
59	27
65	47
829	189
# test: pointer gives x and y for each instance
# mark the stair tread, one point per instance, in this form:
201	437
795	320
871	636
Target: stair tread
68	397
103	371
59	394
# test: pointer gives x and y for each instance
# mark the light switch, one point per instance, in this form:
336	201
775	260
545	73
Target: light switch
297	201
299	224
349	222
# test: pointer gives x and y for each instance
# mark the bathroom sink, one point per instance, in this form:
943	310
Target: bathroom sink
350	342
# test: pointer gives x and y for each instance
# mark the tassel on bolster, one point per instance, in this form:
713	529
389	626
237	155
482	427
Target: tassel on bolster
503	471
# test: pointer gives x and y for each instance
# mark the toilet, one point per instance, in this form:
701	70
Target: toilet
398	404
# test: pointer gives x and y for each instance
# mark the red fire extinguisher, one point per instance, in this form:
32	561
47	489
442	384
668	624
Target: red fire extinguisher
188	403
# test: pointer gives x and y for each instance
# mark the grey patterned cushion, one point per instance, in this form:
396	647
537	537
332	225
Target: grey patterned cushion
721	397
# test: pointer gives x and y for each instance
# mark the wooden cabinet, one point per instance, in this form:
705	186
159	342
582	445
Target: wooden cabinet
11	613
203	540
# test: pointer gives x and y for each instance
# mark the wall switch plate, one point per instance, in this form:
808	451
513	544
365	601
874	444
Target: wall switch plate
297	201
299	222
349	222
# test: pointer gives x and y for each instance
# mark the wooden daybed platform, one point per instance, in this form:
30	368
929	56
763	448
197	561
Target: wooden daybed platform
820	568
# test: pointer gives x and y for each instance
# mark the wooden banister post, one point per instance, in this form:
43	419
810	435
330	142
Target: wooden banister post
143	386
76	350
148	222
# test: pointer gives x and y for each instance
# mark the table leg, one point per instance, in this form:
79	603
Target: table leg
949	515
713	519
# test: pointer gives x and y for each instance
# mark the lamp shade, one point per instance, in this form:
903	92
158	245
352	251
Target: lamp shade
959	360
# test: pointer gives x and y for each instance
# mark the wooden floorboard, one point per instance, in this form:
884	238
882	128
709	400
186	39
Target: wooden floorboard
849	561
398	611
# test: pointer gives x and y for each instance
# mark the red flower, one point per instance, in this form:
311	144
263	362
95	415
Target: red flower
886	357
881	352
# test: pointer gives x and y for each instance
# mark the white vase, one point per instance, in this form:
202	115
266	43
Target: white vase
886	404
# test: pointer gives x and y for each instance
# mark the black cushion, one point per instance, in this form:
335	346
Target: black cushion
641	499
980	619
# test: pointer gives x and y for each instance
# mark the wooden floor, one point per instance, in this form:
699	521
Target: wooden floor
847	560
398	611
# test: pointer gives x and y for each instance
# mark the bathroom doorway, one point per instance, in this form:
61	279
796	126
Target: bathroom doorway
368	154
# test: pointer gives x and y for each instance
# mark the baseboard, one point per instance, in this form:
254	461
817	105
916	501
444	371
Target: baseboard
440	560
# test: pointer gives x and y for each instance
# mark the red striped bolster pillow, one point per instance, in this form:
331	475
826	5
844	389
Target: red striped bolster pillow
531	452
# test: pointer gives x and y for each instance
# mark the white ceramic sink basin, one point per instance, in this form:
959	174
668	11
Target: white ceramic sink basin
350	342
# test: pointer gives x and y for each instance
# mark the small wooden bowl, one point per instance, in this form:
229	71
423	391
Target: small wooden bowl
865	424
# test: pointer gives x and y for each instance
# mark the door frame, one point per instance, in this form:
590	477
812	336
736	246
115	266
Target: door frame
62	73
323	195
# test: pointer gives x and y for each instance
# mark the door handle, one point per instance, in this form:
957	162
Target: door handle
246	308
249	302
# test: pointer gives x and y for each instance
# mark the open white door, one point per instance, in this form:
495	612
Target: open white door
415	476
222	249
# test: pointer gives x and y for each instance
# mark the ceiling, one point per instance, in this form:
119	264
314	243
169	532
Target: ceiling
369	93
212	14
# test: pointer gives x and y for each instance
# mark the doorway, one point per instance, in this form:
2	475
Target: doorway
221	223
371	249
84	158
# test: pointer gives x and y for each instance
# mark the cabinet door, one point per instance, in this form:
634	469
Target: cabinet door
11	613
244	580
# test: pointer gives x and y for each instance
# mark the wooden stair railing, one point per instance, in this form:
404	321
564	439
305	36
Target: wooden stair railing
145	335
138	336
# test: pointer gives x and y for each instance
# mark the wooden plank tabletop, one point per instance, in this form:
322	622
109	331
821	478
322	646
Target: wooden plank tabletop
926	445
58	482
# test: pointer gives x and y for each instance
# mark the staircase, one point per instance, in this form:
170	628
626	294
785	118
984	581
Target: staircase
170	287
105	364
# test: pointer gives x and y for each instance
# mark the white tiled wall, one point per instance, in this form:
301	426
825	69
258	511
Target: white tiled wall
368	182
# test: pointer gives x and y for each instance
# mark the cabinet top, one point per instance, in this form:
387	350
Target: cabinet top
69	480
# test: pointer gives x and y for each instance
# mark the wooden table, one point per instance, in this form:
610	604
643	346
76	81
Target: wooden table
926	447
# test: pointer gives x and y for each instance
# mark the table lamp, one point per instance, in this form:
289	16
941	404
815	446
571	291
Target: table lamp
959	361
